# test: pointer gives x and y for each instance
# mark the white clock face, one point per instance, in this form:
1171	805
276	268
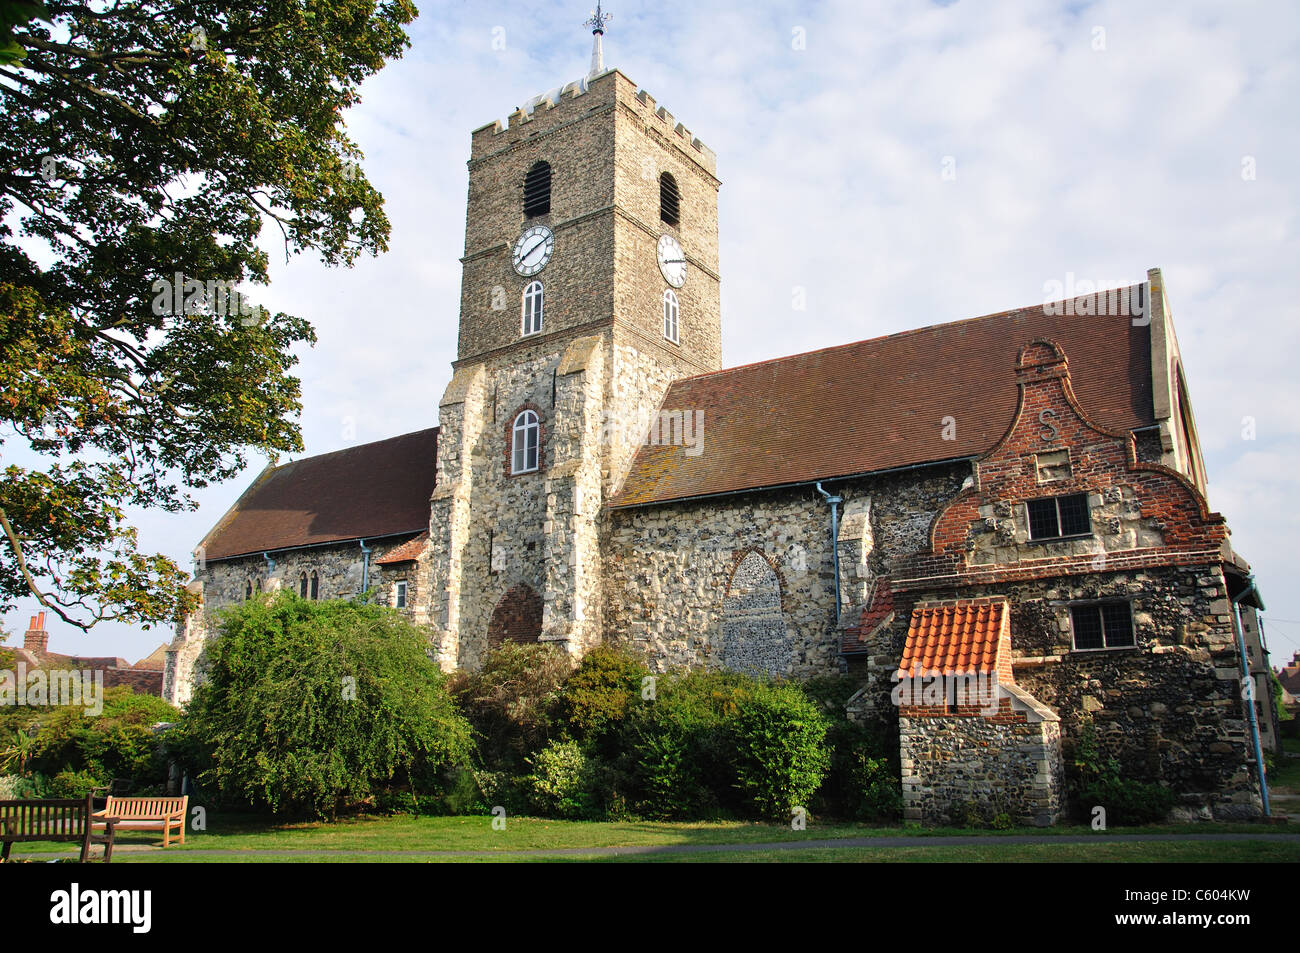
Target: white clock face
533	250
672	261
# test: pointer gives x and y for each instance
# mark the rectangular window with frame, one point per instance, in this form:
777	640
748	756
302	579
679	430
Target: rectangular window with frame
399	596
1102	625
1057	516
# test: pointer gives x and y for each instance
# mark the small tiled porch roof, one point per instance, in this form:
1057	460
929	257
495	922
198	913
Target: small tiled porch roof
960	637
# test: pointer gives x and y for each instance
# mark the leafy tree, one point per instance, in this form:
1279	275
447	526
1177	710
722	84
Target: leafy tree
119	742
311	707
143	147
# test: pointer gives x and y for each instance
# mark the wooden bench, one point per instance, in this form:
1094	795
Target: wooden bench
73	819
147	814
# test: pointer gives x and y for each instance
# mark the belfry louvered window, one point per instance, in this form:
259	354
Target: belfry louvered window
537	190
670	199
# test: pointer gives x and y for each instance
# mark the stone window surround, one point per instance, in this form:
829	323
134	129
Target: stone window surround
1031	540
510	441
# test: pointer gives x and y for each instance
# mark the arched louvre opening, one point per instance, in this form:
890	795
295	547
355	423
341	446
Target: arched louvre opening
670	199
537	190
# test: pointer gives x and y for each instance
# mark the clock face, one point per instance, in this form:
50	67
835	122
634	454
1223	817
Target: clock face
533	250
672	261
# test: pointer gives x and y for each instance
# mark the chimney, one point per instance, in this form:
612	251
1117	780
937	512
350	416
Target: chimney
36	638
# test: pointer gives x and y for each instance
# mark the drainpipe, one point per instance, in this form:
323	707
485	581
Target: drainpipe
1250	701
365	566
834	502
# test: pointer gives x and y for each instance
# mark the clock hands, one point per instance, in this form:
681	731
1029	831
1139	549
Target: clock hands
524	255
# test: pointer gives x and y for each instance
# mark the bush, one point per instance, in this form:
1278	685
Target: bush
74	784
561	782
315	707
1128	803
780	744
864	780
878	788
512	702
120	742
599	694
681	761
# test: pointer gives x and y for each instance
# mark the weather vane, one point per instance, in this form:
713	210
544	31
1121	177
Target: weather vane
598	20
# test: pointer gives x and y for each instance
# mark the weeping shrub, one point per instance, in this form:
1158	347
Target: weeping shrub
316	707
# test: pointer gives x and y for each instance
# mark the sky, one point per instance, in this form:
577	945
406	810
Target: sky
890	165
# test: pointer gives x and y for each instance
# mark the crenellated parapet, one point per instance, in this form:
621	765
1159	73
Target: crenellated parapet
577	100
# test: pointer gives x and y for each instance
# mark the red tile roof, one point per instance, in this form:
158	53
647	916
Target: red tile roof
407	552
879	404
374	490
878	608
965	636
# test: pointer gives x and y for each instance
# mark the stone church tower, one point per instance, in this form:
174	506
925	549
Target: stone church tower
590	283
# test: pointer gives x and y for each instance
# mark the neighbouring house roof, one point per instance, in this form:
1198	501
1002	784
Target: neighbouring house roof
883	403
965	636
409	551
373	490
154	661
879	609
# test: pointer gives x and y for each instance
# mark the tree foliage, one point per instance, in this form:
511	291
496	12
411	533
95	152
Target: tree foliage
143	148
312	707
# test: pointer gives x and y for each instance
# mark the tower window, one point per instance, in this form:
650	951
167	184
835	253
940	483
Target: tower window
534	305
524	442
670	199
315	586
537	190
671	310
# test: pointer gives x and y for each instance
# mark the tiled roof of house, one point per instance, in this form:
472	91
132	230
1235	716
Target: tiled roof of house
405	553
964	636
154	661
883	403
374	490
878	609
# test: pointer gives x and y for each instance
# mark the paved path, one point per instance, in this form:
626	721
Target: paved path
879	842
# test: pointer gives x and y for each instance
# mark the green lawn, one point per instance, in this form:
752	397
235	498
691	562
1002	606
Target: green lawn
394	836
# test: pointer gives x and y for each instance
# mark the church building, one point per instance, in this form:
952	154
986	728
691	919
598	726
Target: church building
998	527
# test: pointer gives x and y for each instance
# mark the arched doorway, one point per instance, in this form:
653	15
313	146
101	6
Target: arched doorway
754	637
517	617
